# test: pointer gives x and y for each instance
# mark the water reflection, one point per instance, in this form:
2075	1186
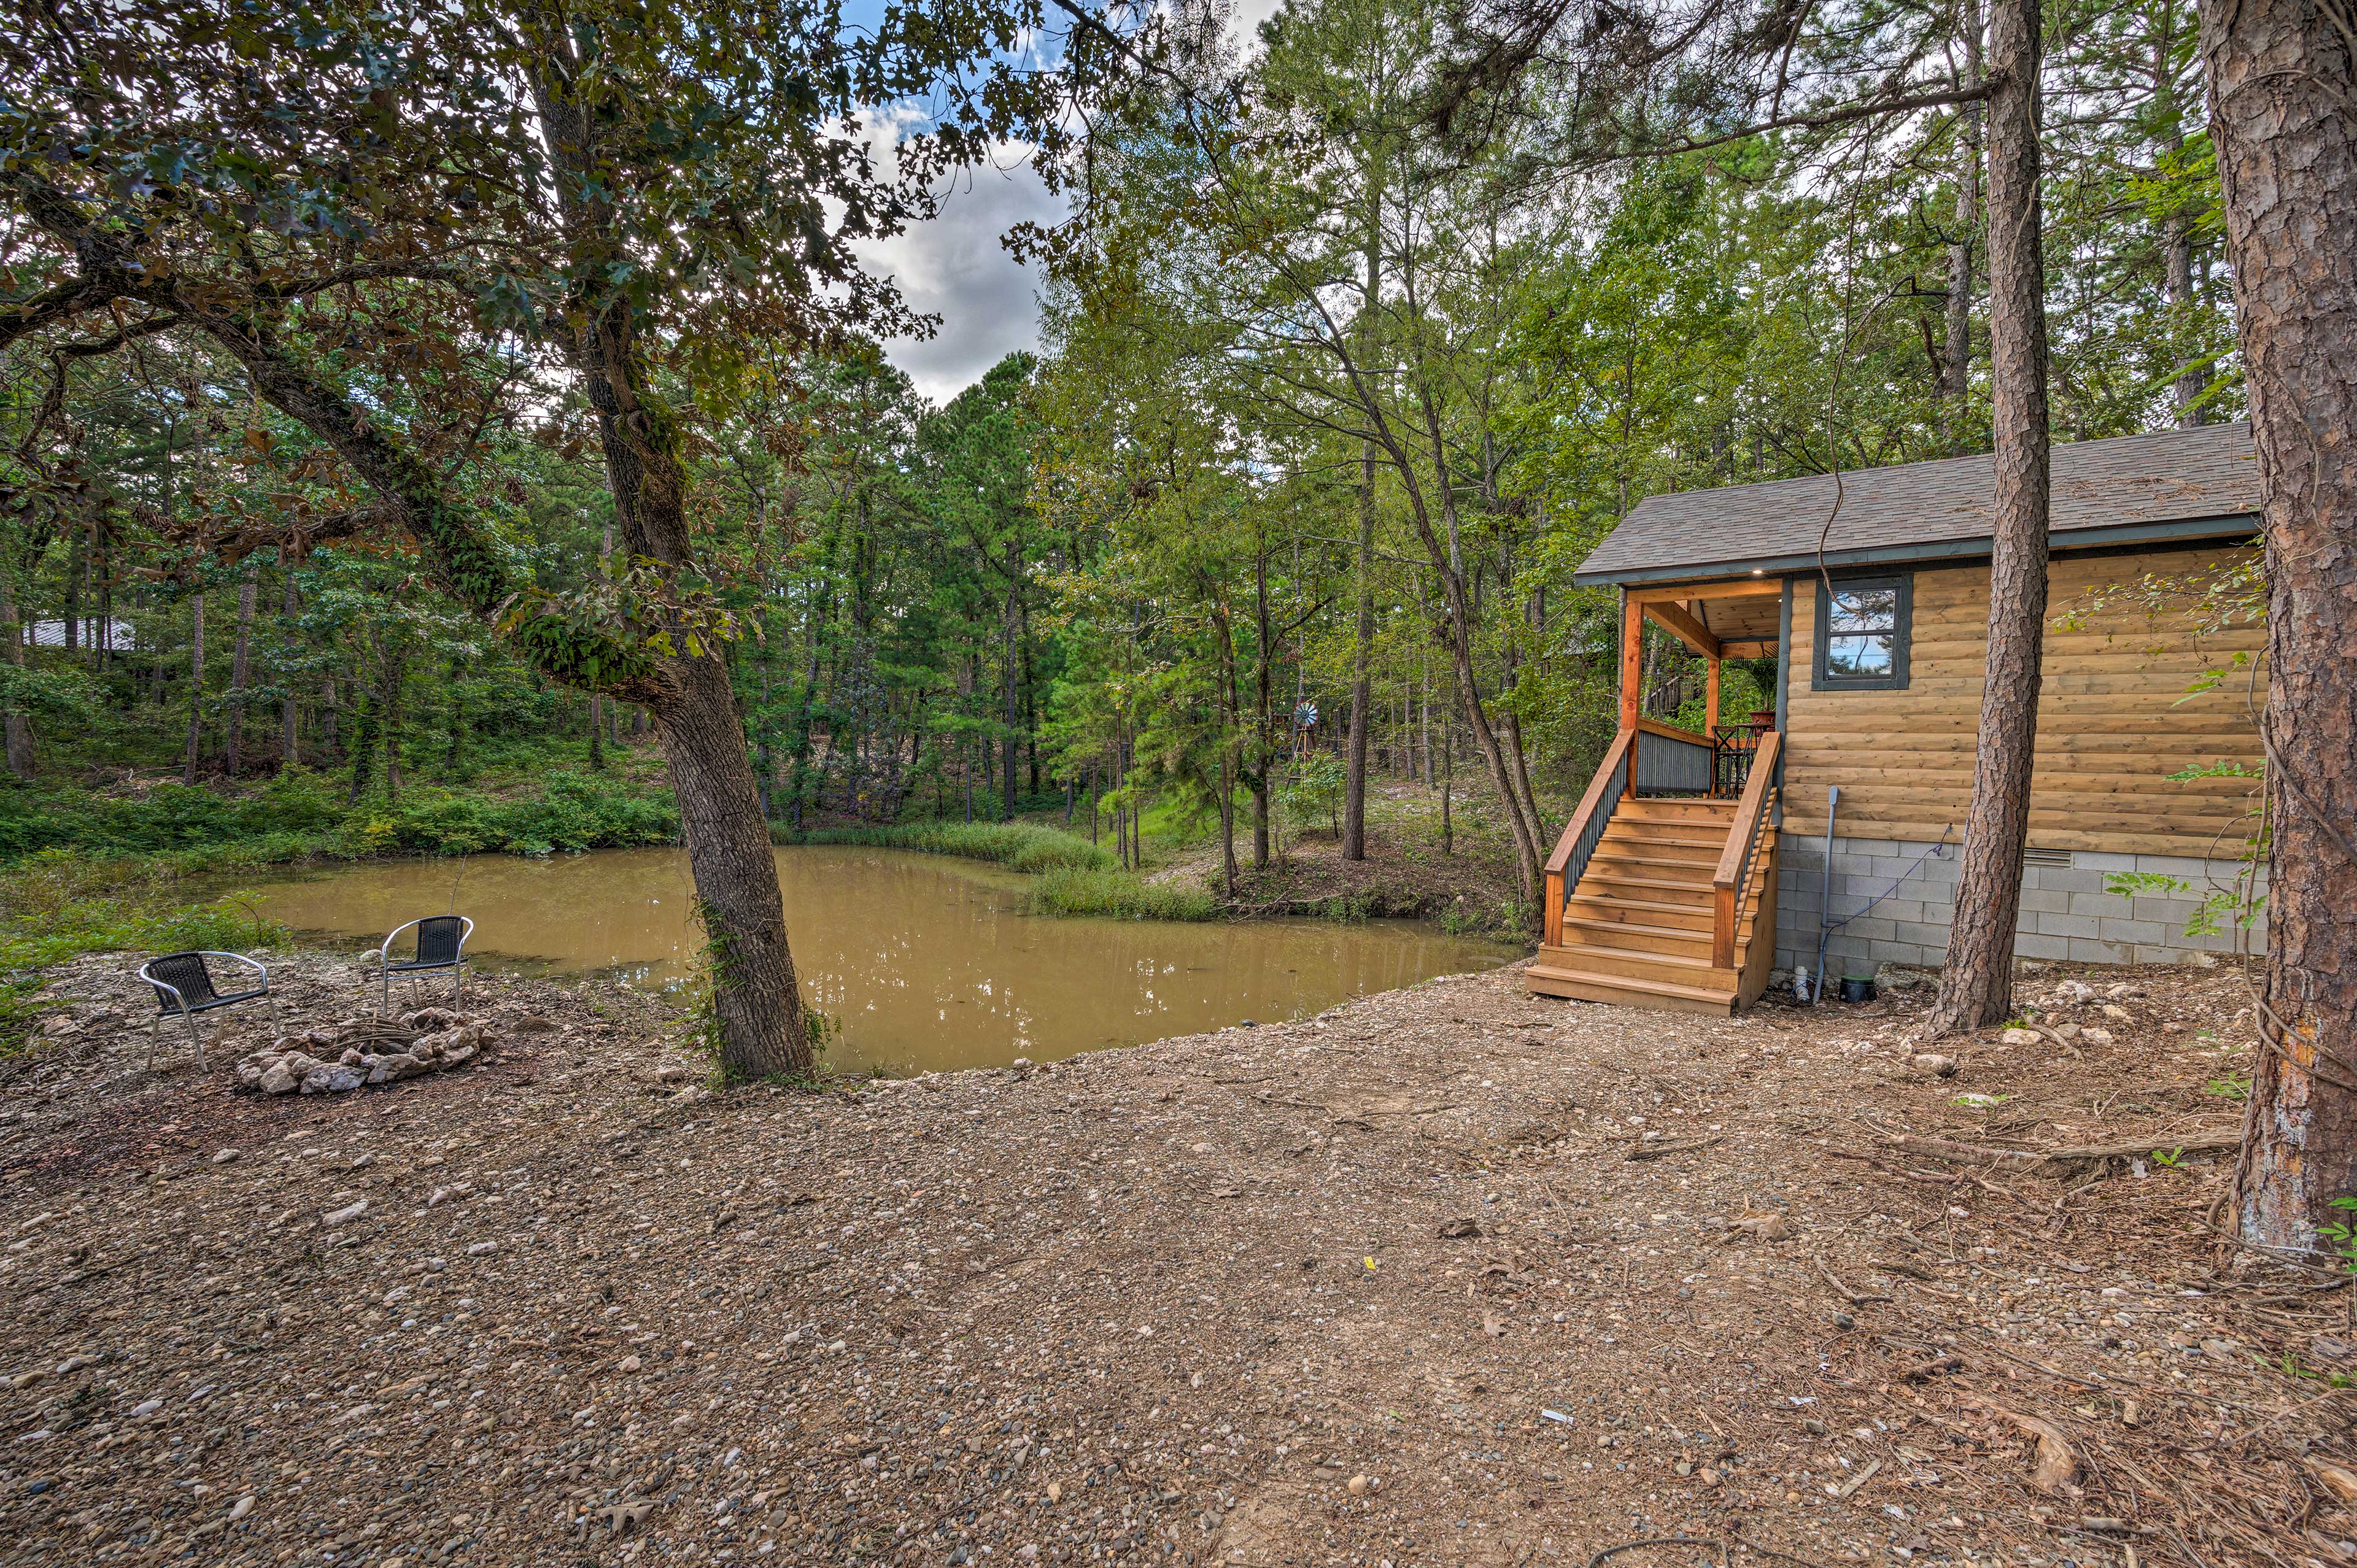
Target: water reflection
927	962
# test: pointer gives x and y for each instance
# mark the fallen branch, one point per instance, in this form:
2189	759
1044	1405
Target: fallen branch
2057	1460
2063	1158
1655	1151
1855	1298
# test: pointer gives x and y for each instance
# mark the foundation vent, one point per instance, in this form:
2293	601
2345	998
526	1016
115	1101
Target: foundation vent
2060	858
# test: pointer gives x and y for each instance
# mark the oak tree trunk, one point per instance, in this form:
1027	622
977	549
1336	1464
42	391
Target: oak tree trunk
1976	985
2283	108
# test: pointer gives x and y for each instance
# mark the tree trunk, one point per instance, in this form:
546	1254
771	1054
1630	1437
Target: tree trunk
1976	986
240	661
1362	651
19	728
396	673
2177	236
364	741
1008	745
1956	364
756	1008
289	710
196	686
2282	119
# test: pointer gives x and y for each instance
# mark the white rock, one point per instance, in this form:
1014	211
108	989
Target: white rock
278	1081
481	1249
345	1215
2021	1037
224	1156
2095	1037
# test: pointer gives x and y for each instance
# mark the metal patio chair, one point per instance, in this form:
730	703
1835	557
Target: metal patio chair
441	944
183	984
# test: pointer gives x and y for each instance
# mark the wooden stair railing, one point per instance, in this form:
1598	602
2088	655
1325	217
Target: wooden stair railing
1742	839
1585	829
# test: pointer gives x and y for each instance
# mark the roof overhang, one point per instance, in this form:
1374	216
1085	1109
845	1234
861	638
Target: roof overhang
2178	531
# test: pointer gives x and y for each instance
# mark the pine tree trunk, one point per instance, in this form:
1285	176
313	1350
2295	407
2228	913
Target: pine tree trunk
1362	650
289	710
1006	739
1956	364
2284	119
18	728
240	662
196	686
1976	984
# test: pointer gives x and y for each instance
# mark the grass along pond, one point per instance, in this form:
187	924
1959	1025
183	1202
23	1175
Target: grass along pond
929	962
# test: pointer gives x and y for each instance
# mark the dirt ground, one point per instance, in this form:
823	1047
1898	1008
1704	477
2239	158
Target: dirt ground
1448	1276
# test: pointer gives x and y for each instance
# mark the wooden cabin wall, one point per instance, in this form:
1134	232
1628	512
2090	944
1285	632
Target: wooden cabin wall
2113	721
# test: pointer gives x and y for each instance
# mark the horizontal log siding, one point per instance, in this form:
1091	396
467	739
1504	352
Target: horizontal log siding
2113	721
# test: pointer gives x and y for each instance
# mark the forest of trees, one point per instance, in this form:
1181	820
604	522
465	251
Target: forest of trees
414	399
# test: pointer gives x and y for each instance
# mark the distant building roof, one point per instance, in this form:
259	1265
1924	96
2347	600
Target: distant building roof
2171	484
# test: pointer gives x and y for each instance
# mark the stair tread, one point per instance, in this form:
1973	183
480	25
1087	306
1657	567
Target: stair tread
1679	840
1654	933
1631	982
1623	880
1634	955
1608	850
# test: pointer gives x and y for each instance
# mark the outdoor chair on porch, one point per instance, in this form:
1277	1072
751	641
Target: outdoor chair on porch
184	985
441	944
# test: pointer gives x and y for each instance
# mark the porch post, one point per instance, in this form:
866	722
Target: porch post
1710	700
1633	667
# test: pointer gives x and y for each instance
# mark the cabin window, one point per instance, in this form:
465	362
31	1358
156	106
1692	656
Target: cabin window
1862	629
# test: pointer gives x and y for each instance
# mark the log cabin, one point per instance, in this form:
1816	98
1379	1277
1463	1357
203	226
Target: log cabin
1823	834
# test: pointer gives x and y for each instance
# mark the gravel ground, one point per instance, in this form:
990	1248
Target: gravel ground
1447	1275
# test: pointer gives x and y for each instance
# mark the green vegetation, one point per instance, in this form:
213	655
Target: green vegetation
1024	846
1118	895
297	816
57	906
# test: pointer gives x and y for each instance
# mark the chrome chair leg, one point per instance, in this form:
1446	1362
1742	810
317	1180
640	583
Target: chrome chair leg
155	1035
196	1035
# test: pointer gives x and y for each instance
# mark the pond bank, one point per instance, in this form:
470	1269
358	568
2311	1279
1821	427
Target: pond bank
1443	1275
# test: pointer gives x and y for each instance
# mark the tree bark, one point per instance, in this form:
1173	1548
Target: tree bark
1976	985
289	710
2283	116
1362	651
1956	366
2177	232
240	661
18	726
196	686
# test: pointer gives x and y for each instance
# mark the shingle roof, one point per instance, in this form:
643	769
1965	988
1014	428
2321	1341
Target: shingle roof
1922	509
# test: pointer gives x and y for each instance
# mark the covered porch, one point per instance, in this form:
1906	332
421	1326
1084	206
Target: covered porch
1660	892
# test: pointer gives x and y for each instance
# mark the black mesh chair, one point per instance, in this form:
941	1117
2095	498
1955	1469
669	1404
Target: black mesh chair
441	944
183	984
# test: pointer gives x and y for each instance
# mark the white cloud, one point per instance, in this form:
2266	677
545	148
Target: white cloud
954	266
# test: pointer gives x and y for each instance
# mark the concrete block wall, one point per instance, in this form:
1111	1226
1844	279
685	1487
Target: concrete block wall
2065	911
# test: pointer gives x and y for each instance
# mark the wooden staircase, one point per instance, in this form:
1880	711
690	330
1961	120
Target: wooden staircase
1668	911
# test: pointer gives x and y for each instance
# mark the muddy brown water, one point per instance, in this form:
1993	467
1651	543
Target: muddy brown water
929	962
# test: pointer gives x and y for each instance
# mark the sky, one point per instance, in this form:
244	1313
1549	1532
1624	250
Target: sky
955	267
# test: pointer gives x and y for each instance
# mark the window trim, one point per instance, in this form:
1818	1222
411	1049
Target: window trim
1902	633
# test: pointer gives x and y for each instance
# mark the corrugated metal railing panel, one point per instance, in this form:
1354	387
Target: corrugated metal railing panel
1584	846
1667	767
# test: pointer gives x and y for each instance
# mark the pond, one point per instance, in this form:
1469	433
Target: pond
929	962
